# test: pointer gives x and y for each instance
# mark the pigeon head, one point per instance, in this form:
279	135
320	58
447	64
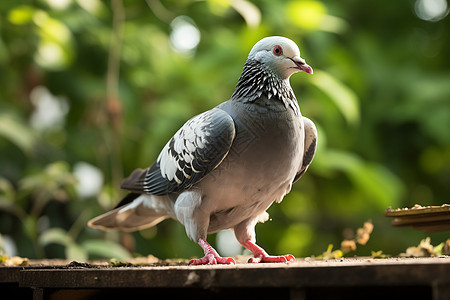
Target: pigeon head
280	55
267	70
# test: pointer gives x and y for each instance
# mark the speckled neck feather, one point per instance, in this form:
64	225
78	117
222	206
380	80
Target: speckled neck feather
257	81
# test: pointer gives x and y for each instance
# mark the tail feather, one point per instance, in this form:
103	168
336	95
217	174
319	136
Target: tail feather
136	215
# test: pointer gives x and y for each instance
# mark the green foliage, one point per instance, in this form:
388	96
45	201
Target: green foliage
21	136
343	97
330	254
102	83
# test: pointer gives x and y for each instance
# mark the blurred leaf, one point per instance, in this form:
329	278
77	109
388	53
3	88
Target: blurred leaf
75	252
8	200
376	182
306	14
21	15
438	249
61	237
3	257
94	7
106	249
219	7
312	15
342	96
249	11
56	236
55	182
17	132
334	24
7	192
55	49
29	225
379	254
330	254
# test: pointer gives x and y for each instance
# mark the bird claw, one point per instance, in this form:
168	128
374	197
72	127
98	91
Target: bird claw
211	256
261	256
212	260
272	259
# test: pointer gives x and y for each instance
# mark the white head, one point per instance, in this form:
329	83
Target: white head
280	55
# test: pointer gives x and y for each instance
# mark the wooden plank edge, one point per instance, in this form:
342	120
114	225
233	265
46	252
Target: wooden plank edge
404	272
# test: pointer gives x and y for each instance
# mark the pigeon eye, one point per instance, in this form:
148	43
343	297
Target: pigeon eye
277	50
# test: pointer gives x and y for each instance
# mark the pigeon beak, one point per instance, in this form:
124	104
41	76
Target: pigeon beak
301	64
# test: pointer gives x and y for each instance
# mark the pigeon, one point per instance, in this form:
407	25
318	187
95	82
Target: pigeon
225	167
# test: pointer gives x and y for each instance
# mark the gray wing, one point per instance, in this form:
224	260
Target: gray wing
310	147
195	150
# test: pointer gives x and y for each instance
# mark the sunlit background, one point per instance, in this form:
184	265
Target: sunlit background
90	90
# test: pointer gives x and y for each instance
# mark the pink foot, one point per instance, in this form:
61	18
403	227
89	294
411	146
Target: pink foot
272	259
262	256
211	256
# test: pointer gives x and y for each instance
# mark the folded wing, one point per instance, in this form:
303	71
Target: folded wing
195	150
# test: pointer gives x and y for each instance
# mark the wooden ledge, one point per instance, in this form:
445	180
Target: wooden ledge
429	276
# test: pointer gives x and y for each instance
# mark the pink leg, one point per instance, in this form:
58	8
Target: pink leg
211	256
262	256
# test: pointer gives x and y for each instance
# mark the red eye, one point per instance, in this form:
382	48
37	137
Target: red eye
277	50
